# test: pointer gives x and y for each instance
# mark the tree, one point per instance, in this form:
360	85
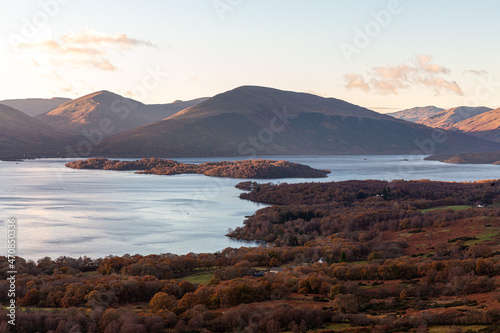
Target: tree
343	257
346	303
273	326
32	297
161	301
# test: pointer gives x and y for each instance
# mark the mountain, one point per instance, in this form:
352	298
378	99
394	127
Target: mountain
448	118
24	136
34	106
253	120
107	113
485	125
415	114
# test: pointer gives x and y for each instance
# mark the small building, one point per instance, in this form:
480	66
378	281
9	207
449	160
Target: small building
276	270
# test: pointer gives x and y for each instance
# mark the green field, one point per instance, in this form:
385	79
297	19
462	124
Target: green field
446	207
465	328
485	237
201	277
337	327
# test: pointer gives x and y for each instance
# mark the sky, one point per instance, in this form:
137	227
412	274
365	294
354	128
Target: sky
383	55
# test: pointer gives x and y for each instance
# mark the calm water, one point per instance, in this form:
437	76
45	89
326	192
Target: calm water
61	211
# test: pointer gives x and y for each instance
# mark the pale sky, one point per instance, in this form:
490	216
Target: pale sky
385	55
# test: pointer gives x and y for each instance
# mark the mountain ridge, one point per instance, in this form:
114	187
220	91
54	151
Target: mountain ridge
485	125
243	93
35	106
446	119
108	113
24	136
416	113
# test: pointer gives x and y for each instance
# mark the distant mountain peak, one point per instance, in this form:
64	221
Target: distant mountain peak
35	106
416	114
485	125
446	119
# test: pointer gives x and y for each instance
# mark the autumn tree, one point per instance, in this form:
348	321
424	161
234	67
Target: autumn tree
161	301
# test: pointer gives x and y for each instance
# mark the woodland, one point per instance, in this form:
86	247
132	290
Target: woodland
351	256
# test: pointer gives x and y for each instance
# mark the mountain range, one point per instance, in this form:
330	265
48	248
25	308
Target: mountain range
246	121
416	114
252	120
485	125
34	106
447	119
480	121
108	113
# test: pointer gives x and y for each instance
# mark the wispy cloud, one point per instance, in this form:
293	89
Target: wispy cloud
89	37
475	72
71	88
86	48
424	62
386	80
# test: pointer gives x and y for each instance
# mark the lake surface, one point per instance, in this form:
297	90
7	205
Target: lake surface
62	211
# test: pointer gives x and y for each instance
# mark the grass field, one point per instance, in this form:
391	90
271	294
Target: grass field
336	327
484	237
446	207
201	277
465	328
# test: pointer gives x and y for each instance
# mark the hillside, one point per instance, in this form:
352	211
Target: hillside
416	114
107	112
25	136
485	125
446	119
253	120
35	106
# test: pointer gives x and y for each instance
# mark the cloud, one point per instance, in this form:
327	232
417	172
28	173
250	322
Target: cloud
102	64
424	62
386	80
76	88
89	37
475	72
86	48
356	81
438	84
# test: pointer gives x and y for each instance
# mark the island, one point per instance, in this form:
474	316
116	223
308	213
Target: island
492	157
254	169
